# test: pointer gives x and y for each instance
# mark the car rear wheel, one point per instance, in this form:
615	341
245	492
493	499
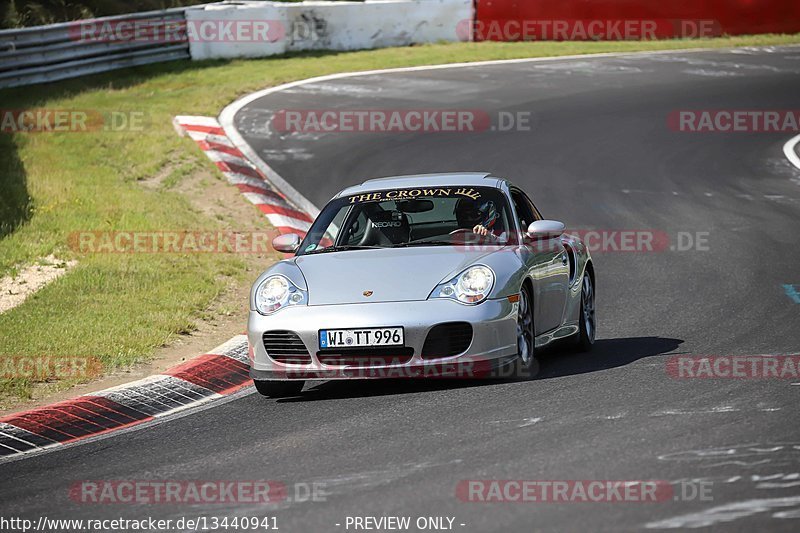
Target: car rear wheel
279	389
526	343
586	335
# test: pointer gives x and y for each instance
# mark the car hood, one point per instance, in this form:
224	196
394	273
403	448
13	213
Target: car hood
393	275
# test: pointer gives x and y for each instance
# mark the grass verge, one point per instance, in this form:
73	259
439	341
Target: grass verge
121	307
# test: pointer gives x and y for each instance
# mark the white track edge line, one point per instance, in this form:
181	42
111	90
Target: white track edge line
791	153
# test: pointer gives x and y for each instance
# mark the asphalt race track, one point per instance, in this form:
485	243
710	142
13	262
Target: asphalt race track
599	154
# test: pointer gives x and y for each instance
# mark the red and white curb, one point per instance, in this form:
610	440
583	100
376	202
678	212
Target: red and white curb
253	184
222	372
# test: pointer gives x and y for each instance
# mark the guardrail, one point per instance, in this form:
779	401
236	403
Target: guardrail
59	51
226	29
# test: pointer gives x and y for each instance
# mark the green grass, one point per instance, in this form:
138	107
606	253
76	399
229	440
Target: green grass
121	307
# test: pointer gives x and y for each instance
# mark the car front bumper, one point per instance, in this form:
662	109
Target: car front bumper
494	339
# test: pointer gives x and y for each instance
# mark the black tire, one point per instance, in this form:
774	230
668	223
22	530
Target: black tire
526	363
584	339
279	389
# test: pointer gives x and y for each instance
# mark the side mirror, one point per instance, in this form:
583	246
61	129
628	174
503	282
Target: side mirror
288	243
546	229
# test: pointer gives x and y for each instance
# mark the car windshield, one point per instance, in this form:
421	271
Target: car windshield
426	216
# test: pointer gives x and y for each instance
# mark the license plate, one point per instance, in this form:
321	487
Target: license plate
361	338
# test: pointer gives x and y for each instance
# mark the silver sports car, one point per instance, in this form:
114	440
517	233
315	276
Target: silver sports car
443	275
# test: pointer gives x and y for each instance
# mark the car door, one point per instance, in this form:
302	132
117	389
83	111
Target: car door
548	268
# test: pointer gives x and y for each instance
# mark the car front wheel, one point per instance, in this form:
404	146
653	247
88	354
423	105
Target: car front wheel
586	335
526	343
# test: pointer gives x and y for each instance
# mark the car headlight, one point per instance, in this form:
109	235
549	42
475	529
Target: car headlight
470	287
277	292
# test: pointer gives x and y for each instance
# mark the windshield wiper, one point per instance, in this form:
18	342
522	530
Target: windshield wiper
343	248
422	243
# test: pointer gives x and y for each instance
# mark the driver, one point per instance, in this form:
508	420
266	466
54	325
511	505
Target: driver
479	217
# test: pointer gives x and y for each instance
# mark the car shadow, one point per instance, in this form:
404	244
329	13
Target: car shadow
555	362
606	353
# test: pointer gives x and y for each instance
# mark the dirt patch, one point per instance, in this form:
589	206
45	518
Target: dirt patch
15	289
216	198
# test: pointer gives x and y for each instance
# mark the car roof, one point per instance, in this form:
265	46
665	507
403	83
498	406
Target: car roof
451	179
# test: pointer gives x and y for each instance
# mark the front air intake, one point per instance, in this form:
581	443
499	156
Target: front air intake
447	340
286	347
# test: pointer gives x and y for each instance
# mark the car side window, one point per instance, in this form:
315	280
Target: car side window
532	208
523	208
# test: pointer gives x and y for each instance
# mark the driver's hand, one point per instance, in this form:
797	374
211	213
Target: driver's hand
480	230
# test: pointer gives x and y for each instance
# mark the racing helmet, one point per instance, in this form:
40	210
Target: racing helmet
470	213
